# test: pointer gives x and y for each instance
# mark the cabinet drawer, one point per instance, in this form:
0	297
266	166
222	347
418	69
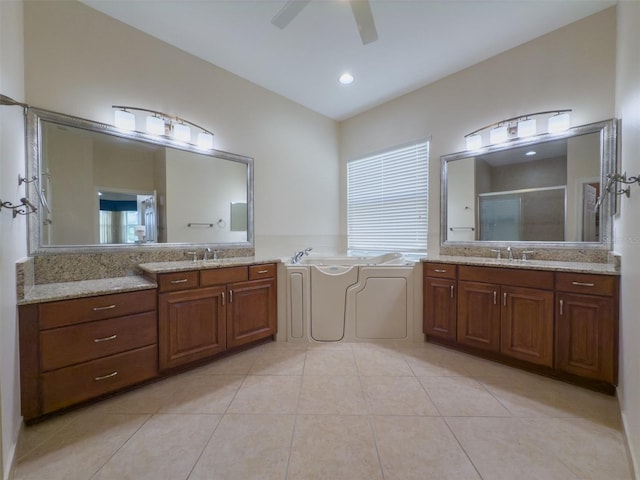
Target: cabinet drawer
257	272
217	276
440	270
586	283
69	312
507	276
61	347
66	386
170	282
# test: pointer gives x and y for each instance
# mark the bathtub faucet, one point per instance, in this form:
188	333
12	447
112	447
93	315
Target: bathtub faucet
298	255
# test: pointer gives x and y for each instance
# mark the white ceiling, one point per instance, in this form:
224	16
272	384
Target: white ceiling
419	41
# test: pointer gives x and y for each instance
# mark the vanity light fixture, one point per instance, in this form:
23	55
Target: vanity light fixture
163	124
521	126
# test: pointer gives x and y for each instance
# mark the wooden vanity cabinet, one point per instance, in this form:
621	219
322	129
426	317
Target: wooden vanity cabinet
561	324
587	326
75	350
440	305
508	315
230	307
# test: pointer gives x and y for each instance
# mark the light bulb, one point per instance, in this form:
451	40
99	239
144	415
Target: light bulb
155	125
474	142
181	132
124	120
527	128
498	135
558	123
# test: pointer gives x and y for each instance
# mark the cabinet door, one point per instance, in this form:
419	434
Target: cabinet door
527	325
191	325
479	315
251	311
440	311
585	336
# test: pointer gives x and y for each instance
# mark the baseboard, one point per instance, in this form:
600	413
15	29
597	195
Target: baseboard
8	474
633	461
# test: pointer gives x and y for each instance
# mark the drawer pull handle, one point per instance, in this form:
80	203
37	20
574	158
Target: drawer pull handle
452	291
263	271
583	284
504	299
439	270
182	280
561	307
108	307
230	296
105	339
222	298
104	377
495	297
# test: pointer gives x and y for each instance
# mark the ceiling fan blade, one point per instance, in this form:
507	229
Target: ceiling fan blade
288	12
364	19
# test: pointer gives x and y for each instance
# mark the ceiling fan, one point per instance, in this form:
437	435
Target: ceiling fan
360	8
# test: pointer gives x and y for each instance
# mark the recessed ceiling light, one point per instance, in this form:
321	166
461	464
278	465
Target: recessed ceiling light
346	78
530	153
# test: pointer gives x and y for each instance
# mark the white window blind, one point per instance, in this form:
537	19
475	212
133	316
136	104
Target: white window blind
387	200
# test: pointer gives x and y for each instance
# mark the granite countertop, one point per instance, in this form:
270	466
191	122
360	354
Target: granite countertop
50	292
556	266
185	265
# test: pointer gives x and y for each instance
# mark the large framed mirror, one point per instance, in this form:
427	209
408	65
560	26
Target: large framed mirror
99	187
543	191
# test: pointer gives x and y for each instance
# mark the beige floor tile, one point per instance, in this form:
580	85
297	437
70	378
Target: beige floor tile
31	436
462	396
333	447
529	395
236	364
436	363
589	448
77	451
339	395
329	346
420	448
396	396
330	362
267	394
202	394
504	449
276	361
247	447
147	399
166	447
377	361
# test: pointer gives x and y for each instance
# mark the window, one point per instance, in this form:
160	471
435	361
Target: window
387	200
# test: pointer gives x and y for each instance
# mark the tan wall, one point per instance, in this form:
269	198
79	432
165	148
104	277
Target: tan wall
627	225
81	62
573	67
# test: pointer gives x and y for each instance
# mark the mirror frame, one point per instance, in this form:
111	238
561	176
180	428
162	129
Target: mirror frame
33	123
608	165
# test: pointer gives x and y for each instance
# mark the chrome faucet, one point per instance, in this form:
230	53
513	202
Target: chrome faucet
204	254
510	252
298	255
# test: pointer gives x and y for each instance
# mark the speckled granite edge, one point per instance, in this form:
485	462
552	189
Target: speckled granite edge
57	268
25	276
85	288
182	266
556	266
580	255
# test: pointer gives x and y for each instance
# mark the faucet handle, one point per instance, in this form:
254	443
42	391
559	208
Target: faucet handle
525	253
498	253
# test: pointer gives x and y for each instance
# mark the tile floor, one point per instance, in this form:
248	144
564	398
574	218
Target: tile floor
341	411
